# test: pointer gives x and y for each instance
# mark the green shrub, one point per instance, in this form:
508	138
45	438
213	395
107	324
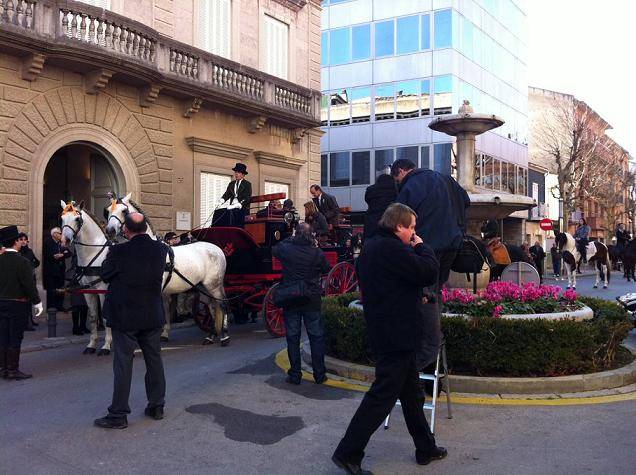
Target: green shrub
606	309
498	347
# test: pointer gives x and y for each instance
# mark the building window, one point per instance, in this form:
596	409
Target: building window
407	99
275	47
385	102
324	169
443	90
340	46
324	49
442	158
408	153
212	188
426	32
384	38
425	94
324	110
360	168
339	169
360	105
339	113
443	29
215	26
273	187
361	42
383	161
408	34
425	152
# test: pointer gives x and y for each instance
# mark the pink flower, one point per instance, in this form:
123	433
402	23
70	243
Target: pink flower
570	295
496	313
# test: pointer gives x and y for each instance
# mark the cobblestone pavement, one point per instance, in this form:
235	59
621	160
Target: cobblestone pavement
230	411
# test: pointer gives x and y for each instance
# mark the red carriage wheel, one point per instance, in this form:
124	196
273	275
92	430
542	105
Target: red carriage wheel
201	314
273	315
341	279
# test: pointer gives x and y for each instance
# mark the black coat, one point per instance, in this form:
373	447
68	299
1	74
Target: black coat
53	270
302	261
29	255
427	193
537	253
392	278
135	271
244	193
378	197
318	224
328	206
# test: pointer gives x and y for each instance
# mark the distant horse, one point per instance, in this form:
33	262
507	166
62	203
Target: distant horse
596	251
500	254
201	263
615	257
628	256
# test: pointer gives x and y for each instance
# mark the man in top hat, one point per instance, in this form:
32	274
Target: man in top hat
17	293
239	190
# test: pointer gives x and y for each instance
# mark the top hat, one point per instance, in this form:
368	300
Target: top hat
241	168
8	233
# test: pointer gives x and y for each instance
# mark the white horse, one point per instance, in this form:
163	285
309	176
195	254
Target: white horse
201	263
91	247
596	251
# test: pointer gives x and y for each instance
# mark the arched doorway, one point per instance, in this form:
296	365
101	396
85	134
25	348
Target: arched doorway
80	171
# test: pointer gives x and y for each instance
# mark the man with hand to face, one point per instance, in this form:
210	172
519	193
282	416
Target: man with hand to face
393	269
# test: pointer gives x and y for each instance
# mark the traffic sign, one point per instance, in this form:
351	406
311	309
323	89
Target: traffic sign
546	224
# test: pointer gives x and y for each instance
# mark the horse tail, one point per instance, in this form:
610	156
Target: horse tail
608	263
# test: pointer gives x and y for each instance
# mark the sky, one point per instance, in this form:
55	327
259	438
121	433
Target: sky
588	49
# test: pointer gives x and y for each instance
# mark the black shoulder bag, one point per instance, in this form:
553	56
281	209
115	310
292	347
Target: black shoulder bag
469	259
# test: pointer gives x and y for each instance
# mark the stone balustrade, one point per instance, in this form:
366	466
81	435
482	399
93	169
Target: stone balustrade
173	66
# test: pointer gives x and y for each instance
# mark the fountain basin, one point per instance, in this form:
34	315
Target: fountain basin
492	205
466	123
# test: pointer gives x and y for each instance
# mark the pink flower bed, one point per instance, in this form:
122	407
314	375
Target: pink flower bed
507	298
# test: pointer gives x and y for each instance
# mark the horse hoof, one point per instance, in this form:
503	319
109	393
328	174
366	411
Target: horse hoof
605	286
208	341
103	352
165	339
89	351
595	287
225	342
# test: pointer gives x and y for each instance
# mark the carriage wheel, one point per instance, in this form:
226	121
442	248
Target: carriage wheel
341	279
201	314
273	315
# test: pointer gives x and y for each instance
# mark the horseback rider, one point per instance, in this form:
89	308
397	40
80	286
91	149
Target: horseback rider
622	237
582	238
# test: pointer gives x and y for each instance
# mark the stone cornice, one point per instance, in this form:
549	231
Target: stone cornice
210	147
281	161
295	5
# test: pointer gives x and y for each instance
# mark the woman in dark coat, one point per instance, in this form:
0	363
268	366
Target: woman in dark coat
378	198
316	219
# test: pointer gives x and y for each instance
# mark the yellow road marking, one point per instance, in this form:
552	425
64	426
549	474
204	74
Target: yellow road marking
283	363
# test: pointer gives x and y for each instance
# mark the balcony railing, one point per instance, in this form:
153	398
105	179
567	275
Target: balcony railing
76	32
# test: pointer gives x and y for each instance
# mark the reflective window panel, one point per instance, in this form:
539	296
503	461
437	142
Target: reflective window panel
383	161
443	29
360	168
407	99
361	42
384	38
408	34
443	100
339	46
339	169
339	113
360	104
384	102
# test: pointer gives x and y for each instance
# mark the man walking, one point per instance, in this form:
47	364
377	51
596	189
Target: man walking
134	310
17	293
538	255
393	268
304	262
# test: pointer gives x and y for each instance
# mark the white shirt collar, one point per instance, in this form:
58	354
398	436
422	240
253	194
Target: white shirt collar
10	249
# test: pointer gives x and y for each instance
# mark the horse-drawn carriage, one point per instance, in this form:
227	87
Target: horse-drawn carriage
252	272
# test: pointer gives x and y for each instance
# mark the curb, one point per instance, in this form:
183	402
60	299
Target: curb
605	380
60	341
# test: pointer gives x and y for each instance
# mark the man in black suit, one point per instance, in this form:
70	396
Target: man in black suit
393	269
326	204
54	269
134	310
239	190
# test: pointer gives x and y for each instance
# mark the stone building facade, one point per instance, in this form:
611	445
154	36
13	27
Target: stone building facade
125	98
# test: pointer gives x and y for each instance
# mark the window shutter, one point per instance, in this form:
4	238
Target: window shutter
215	26
212	188
272	187
276	47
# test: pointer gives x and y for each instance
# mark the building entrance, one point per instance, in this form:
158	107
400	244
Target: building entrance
80	172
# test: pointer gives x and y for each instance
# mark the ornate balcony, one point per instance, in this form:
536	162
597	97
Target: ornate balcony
103	45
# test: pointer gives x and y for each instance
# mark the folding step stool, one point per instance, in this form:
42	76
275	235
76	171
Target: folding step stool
435	378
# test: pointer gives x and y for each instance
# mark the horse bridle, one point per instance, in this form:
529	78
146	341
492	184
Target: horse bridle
125	212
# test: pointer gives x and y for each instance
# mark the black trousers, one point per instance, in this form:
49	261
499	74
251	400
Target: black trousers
13	321
124	343
395	378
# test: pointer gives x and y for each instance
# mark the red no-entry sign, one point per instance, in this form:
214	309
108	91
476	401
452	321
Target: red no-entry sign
546	224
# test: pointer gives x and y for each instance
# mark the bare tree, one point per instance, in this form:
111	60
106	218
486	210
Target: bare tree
569	136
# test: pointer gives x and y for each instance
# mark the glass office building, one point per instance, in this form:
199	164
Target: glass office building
390	66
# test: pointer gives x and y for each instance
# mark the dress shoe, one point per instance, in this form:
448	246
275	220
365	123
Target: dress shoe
13	365
292	380
321	380
349	467
437	453
110	422
155	412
